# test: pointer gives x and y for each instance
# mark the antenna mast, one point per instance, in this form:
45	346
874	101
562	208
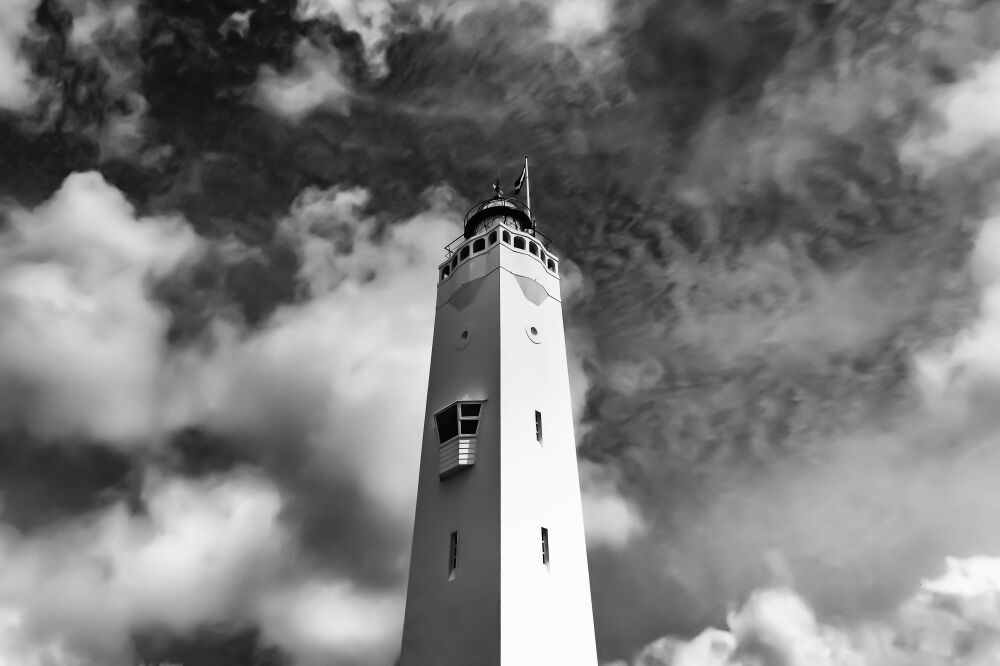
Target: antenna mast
527	187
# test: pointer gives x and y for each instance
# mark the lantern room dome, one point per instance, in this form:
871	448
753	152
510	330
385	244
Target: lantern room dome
514	211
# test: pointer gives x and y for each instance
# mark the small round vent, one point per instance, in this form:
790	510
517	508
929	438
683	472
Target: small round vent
465	334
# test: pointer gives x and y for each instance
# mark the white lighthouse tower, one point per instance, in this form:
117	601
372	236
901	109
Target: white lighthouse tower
498	573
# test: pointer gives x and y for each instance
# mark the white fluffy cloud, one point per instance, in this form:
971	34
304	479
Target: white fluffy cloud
83	351
185	563
574	21
960	378
317	620
775	626
957	379
353	359
82	345
17	91
967	120
952	620
202	552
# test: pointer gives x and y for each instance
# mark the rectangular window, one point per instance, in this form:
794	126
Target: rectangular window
538	426
452	555
545	546
460	418
447	423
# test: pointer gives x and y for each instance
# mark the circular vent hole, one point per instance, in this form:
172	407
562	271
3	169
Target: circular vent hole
465	334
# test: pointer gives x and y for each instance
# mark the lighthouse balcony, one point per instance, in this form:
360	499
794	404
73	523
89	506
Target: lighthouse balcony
498	231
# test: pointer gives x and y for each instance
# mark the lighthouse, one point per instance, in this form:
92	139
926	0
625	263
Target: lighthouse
498	569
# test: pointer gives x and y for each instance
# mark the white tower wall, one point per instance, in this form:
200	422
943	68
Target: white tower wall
504	606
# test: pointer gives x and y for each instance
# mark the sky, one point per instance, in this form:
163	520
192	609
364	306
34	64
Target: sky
779	228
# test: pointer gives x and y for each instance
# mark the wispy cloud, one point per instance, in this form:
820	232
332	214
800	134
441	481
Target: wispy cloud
315	81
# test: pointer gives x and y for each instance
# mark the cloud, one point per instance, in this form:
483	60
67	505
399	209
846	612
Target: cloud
774	626
378	22
966	115
953	619
314	81
341	372
17	88
201	552
198	548
581	351
960	379
83	342
320	619
78	277
631	377
350	362
18	646
574	21
83	353
84	349
771	301
372	20
108	35
99	43
92	18
610	519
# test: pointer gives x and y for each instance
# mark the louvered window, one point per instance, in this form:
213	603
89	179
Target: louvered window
458	430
